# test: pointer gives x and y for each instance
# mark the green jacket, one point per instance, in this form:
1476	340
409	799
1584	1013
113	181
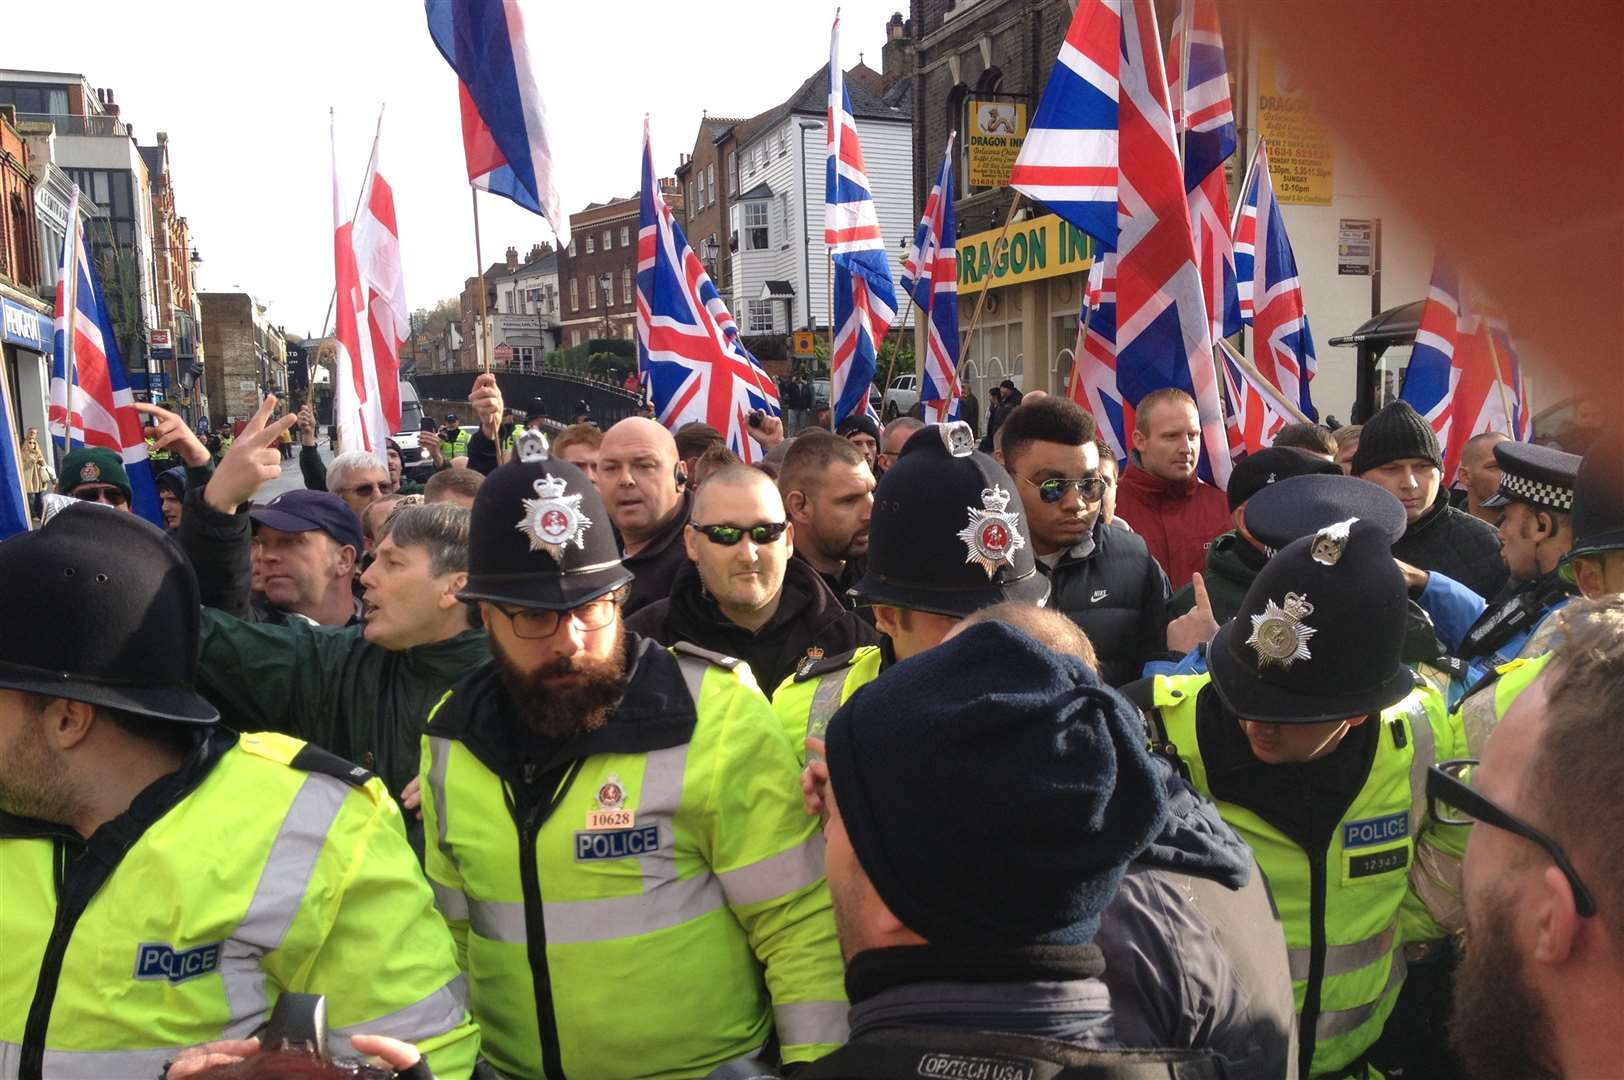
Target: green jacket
1232	563
332	687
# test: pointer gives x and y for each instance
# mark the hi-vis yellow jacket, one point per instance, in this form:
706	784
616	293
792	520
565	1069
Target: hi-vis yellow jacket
807	700
1347	910
262	866
650	901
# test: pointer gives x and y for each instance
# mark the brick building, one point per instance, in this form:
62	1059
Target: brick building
20	254
597	276
247	354
176	356
476	345
707	193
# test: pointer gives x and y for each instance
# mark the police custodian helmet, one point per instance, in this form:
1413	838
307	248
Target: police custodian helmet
947	534
540	536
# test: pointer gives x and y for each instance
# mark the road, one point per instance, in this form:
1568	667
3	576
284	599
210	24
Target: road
291	479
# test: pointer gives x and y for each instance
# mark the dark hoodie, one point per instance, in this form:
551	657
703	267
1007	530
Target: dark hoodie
1195	957
174	482
809	616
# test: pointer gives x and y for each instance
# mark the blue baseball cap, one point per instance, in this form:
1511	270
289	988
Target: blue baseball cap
304	511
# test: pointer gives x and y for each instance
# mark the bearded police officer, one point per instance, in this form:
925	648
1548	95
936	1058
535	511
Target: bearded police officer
614	830
162	880
1314	739
947	538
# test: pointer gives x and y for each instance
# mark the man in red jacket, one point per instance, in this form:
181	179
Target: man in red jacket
1159	495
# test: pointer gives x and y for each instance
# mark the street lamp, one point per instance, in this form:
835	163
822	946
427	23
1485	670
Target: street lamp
710	248
605	280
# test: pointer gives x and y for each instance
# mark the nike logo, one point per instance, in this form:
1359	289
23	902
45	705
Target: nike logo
1099	594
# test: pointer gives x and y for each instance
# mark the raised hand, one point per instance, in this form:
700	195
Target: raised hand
252	460
307	425
170	432
1196	626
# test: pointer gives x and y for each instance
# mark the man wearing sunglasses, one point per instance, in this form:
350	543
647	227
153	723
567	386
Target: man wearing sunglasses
95	474
1538	991
615	833
1102	578
1314	739
743	594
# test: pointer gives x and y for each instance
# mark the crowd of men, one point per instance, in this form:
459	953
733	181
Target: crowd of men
902	752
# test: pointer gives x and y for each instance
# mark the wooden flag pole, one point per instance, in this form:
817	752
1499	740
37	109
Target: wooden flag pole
1499	380
829	295
1246	365
484	321
902	335
981	301
71	306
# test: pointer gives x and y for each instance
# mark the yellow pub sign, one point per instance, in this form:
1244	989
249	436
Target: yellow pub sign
1041	247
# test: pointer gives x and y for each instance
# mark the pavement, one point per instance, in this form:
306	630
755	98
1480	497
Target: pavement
291	479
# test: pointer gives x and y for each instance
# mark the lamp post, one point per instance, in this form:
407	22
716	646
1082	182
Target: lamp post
605	281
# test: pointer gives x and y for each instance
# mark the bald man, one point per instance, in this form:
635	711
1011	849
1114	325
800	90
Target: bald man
644	487
742	594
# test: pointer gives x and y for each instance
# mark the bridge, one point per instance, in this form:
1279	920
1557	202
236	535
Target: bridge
562	395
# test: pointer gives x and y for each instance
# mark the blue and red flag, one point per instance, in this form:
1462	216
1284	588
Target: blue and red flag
1205	121
1257	410
1102	154
1093	383
688	351
87	360
504	122
1271	295
865	297
1464	375
930	277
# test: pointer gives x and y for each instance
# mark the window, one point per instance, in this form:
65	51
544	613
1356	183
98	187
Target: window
572	252
575	295
733	172
625	240
710	181
626	286
591	292
783	142
692	206
755	217
608	239
759	315
591	246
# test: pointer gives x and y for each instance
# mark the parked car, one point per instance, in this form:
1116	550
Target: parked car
820	395
900	396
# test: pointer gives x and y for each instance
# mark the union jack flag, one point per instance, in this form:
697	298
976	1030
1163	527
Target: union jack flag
1203	114
1093	383
930	277
1258	411
865	296
1271	296
1464	374
688	351
1102	155
103	412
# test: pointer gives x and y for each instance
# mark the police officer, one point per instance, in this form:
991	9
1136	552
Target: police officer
1314	740
946	539
453	439
165	879
1535	498
614	830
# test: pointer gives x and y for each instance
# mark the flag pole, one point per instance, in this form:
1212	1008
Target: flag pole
1246	365
1499	380
1184	81
71	306
484	319
981	301
829	294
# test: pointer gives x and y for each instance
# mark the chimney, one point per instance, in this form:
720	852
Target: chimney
512	258
897	56
894	28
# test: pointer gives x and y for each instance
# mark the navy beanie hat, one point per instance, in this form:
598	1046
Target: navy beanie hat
994	791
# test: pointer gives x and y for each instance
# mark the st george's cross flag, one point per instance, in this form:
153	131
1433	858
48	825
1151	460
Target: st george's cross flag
88	370
930	278
1102	154
865	299
688	348
504	121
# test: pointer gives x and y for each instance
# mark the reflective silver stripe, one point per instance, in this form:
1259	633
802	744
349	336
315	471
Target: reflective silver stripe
277	898
1331	1024
825	703
808	1023
439	754
452	901
92	1064
1424	756
780	875
434	1015
693	673
1344	959
672	904
497	920
657	804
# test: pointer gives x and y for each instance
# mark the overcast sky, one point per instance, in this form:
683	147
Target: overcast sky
243	91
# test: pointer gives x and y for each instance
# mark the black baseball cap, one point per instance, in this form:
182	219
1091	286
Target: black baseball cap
306	511
1254	472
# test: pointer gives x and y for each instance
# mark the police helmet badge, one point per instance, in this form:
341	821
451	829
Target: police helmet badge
1330	541
813	655
994	533
89	472
611	794
531	446
553	521
957	437
1279	635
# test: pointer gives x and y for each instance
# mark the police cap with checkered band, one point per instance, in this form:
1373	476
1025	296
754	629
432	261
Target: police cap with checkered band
1541	476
